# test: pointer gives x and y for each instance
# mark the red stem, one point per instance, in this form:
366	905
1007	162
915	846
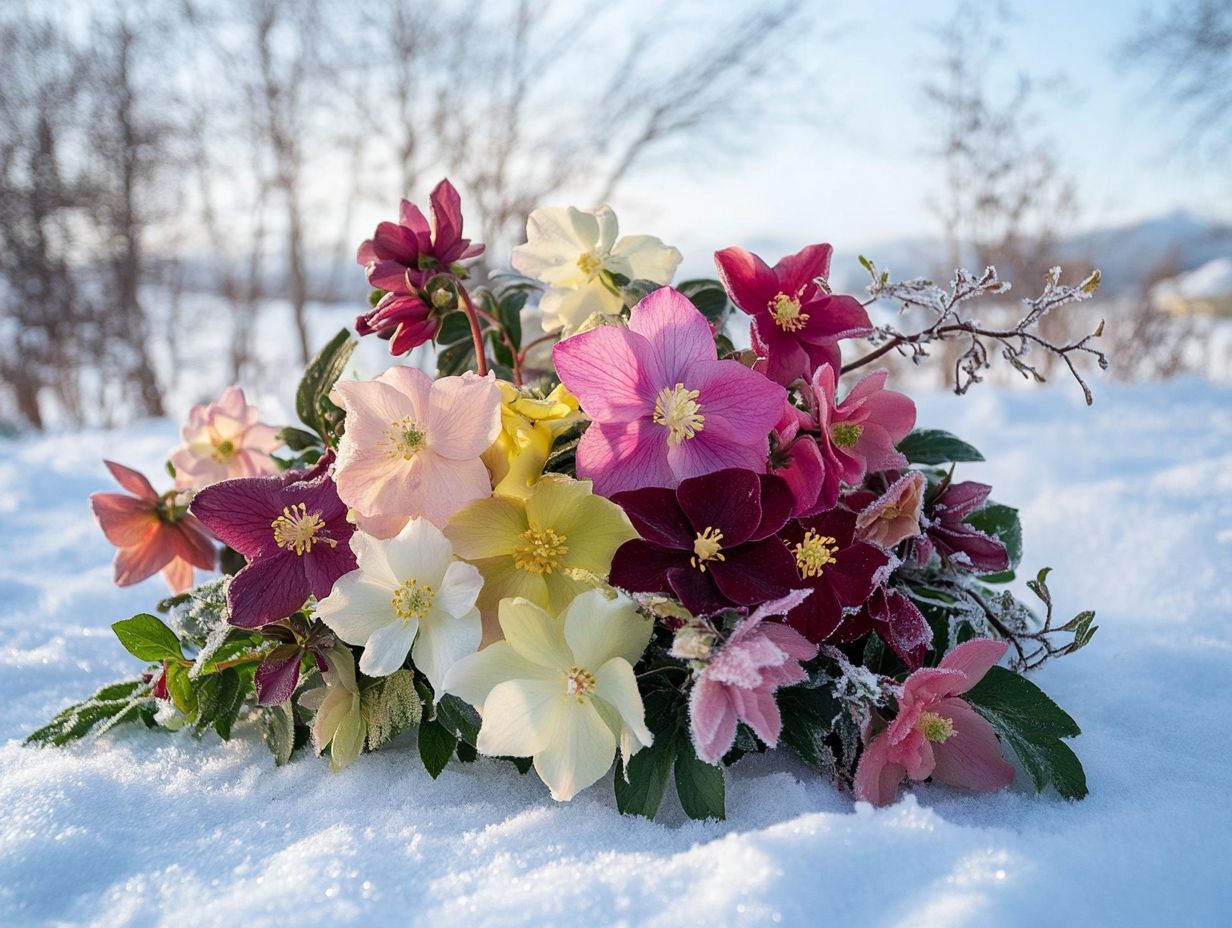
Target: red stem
472	316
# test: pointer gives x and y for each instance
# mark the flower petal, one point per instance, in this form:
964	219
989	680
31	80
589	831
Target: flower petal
580	751
625	456
877	777
534	634
487	528
463	416
268	589
520	717
971	757
474	676
616	685
443	640
387	648
678	335
973	659
609	370
728	501
359	606
598	628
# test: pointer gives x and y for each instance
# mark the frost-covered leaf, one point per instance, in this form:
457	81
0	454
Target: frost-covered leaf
111	705
1000	522
935	446
390	706
279	731
459	717
146	638
436	745
1033	725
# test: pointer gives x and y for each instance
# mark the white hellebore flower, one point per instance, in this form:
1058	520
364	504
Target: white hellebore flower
569	249
560	689
408	595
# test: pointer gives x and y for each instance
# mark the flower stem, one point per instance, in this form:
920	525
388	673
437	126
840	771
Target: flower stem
472	316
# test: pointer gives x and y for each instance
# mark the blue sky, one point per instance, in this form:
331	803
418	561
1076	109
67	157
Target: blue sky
862	177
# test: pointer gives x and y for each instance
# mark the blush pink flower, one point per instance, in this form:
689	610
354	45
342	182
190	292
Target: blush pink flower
858	436
412	446
739	683
663	407
152	532
224	439
936	734
797	321
895	516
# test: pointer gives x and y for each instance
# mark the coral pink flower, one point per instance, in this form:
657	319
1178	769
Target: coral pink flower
858	435
222	440
739	683
797	322
152	532
401	256
412	446
936	734
895	516
663	407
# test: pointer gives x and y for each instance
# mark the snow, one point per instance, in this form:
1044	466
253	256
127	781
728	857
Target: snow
1130	502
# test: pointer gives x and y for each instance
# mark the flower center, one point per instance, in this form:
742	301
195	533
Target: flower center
297	529
936	729
412	601
813	553
706	547
678	410
225	448
891	512
589	263
846	434
785	311
404	438
541	551
580	683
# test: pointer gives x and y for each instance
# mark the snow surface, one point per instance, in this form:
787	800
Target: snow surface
1130	502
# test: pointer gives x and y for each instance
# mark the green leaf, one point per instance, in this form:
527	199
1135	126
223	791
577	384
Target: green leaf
312	403
146	638
809	714
279	732
454	328
710	301
698	784
219	697
459	717
297	439
1001	522
509	312
182	691
1033	725
111	705
436	745
640	786
455	359
934	446
390	706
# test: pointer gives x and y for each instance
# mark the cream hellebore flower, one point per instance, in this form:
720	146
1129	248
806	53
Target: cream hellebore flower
569	249
338	723
560	690
549	547
529	426
408	595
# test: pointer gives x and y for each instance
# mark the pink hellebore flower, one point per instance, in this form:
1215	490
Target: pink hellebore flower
663	407
796	457
401	256
797	322
222	440
739	683
895	516
936	734
858	435
412	446
152	532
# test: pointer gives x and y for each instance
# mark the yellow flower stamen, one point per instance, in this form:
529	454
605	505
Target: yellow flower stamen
297	528
846	434
813	553
404	438
785	311
541	552
579	683
678	410
412	601
706	547
589	263
936	729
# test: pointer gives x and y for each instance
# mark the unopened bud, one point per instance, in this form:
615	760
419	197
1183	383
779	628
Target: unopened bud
693	643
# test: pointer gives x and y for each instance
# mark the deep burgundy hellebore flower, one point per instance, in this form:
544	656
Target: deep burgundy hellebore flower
294	534
841	571
965	546
710	542
797	322
896	620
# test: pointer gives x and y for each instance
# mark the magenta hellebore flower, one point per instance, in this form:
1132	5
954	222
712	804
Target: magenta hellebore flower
401	256
710	542
936	734
797	322
663	407
945	530
739	682
841	571
294	534
406	319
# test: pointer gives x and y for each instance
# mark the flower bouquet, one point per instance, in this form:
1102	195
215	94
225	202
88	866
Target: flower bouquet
624	542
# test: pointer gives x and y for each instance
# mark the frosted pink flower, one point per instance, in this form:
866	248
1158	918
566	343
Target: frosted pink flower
412	446
738	685
796	457
663	407
895	516
222	440
936	734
